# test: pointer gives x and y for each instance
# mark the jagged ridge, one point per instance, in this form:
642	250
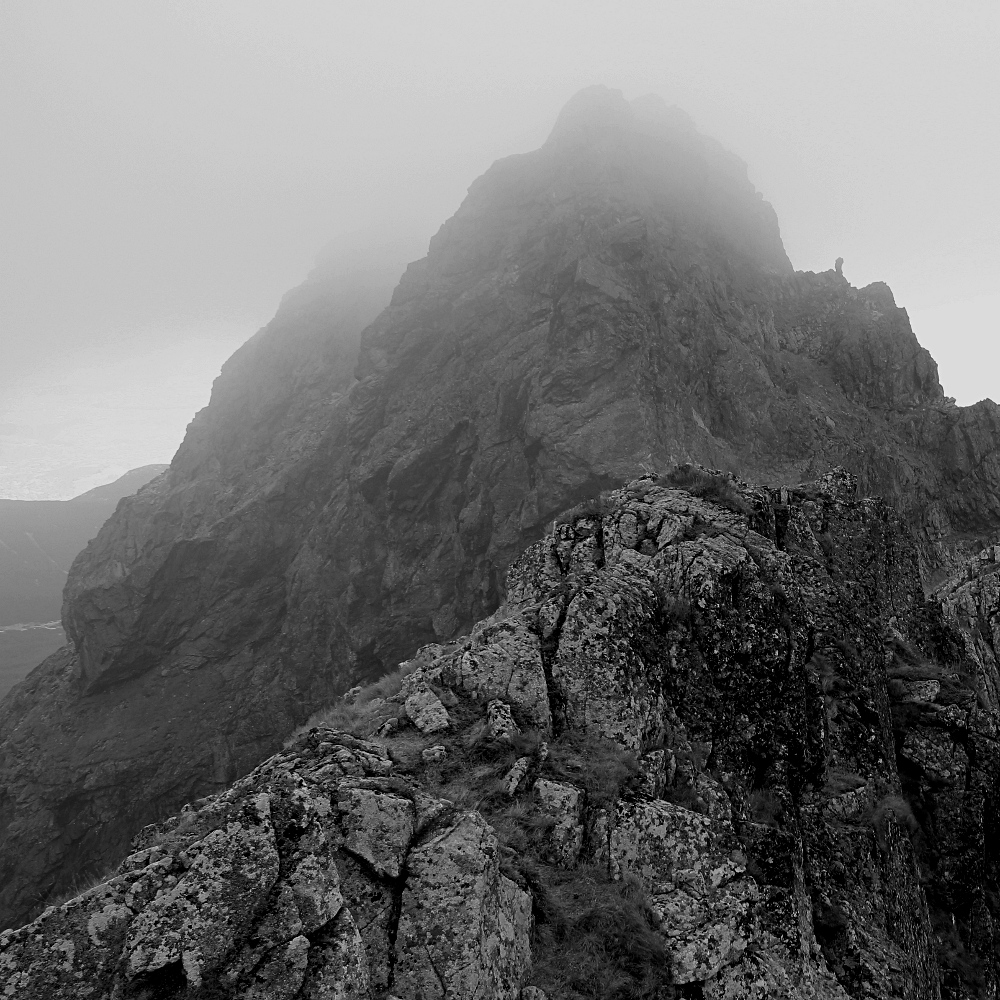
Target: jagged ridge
738	696
618	297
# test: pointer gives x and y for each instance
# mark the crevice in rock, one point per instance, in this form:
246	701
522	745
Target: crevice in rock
436	971
549	649
392	929
781	518
690	991
160	984
370	872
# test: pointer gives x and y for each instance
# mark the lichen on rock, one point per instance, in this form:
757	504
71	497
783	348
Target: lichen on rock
724	786
464	926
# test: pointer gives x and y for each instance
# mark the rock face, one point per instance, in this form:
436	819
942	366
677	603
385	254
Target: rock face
618	298
737	791
73	792
268	891
39	539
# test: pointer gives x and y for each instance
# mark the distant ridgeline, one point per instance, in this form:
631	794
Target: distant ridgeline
39	539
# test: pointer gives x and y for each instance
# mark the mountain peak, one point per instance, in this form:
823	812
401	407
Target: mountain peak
592	109
598	109
616	301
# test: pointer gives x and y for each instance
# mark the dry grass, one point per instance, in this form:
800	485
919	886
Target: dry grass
190	826
909	664
596	938
840	782
593	508
765	807
521	827
79	886
598	765
715	487
361	717
962	971
891	808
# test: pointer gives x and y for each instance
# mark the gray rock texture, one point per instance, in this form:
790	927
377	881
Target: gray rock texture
247	910
766	809
618	298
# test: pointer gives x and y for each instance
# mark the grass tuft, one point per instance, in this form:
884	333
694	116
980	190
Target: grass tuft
361	717
841	782
596	938
594	508
598	765
79	886
888	809
713	486
766	807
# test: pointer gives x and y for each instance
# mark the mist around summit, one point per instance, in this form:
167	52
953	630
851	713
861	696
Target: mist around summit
169	174
499	502
597	573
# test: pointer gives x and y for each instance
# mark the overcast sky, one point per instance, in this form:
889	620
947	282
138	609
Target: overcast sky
168	170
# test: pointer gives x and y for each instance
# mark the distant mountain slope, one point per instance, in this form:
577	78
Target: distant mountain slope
23	647
617	299
124	486
39	539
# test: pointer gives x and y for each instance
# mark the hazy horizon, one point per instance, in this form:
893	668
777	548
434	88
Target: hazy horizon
168	173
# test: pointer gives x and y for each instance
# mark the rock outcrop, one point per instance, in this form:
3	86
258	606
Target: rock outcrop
291	884
618	298
735	782
39	539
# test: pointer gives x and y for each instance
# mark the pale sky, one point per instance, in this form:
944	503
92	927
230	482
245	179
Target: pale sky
168	170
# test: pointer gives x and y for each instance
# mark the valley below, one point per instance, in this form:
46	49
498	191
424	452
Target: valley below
23	647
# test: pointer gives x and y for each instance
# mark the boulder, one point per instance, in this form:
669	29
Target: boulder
504	662
338	964
425	710
434	754
563	803
485	952
377	827
500	723
197	920
514	778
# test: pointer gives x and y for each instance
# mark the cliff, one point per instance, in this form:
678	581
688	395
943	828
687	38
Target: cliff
618	298
716	743
39	539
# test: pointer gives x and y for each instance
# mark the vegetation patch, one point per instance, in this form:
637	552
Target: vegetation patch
593	507
889	809
79	886
961	971
766	807
597	765
714	486
596	938
593	937
957	687
361	715
842	782
677	611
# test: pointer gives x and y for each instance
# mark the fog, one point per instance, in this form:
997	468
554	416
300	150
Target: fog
167	171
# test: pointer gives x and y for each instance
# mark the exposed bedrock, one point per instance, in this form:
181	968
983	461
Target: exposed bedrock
716	743
618	298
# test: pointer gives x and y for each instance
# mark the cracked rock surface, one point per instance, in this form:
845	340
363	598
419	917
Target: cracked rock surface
266	892
761	763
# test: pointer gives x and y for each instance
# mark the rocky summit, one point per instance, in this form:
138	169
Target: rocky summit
716	743
365	483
